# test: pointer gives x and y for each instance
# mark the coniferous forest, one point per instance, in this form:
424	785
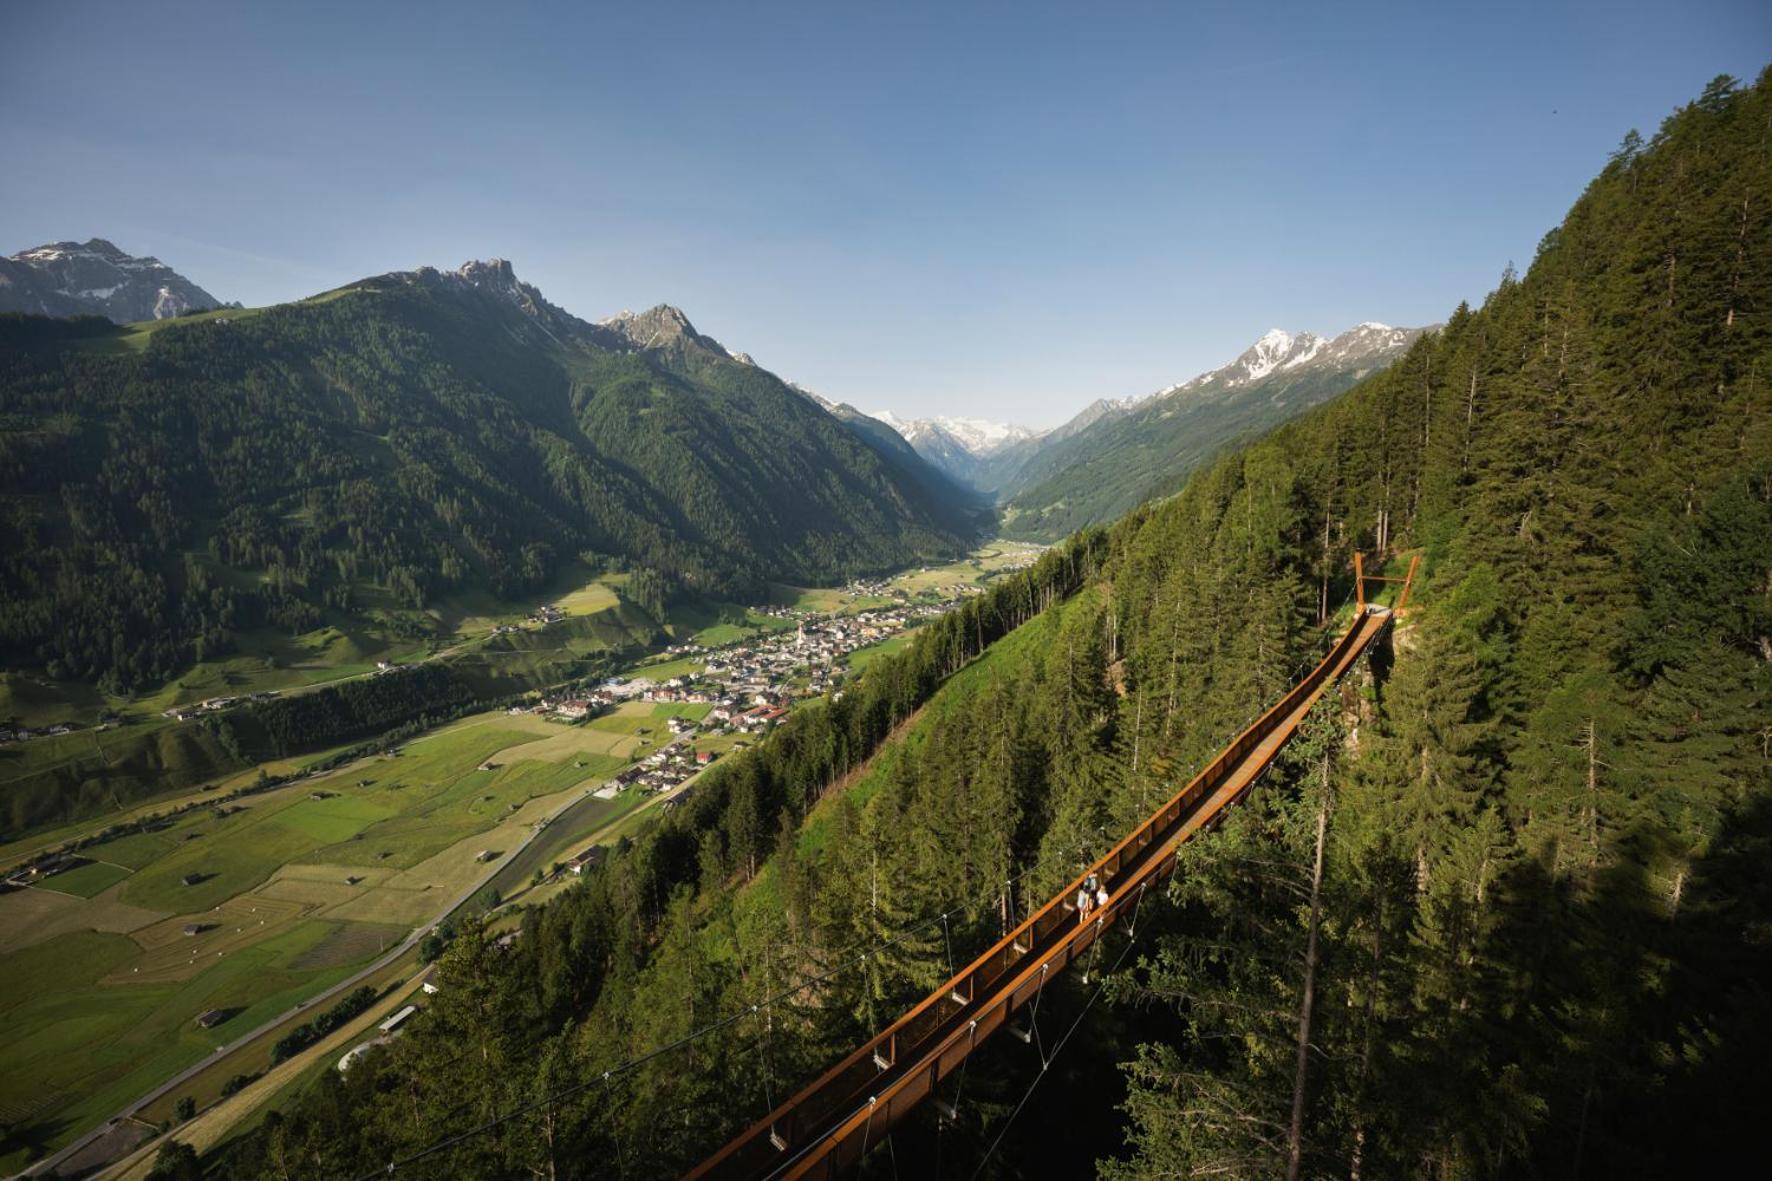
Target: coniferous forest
1502	911
365	453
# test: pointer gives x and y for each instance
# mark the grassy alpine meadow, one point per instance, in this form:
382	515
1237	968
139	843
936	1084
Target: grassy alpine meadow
1005	661
809	598
577	590
264	660
984	563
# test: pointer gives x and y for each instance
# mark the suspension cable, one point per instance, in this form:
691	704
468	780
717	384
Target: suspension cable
1046	1062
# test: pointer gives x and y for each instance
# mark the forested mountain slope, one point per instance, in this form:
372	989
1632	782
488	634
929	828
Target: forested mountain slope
884	438
376	447
1125	455
1508	895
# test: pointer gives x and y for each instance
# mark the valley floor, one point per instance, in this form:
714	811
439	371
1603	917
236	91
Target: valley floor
246	912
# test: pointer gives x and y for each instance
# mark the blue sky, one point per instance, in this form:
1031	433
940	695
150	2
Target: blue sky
1003	210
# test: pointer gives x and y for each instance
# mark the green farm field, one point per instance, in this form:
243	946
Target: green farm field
141	757
664	670
222	1117
977	568
257	905
862	657
80	1047
826	599
635	717
90	879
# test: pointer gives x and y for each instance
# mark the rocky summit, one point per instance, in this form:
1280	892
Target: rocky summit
95	278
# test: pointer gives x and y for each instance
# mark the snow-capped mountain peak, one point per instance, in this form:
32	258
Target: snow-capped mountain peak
976	436
1275	340
1278	351
95	277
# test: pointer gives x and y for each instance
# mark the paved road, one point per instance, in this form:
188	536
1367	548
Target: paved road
314	1002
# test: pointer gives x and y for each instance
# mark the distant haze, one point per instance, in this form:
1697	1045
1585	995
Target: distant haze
1001	212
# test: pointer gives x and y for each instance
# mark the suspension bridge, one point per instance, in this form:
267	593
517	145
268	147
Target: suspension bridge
825	1129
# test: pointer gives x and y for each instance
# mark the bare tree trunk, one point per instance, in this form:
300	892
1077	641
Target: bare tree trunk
1427	404
1295	1136
1137	733
1470	419
1587	1099
1384	518
1323	591
1590	740
1366	1044
1740	260
1174	657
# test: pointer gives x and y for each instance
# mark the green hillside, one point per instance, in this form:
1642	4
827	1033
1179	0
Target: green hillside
1538	898
365	454
1118	462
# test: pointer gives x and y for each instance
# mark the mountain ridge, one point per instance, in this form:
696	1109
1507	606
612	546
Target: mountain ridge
95	277
1002	458
1128	451
400	437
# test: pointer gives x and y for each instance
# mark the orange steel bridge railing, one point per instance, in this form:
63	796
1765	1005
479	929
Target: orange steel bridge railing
827	1127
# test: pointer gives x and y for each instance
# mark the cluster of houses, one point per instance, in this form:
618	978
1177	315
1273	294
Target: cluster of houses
215	705
959	590
749	683
875	588
576	709
664	769
21	733
805	661
538	618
